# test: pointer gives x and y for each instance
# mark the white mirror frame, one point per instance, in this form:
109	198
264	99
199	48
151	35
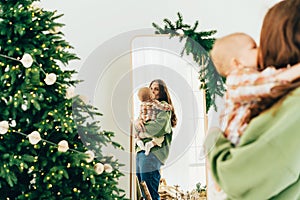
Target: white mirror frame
152	52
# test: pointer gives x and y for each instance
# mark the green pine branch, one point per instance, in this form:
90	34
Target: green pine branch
198	43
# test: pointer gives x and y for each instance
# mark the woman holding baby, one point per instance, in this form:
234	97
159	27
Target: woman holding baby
265	163
148	163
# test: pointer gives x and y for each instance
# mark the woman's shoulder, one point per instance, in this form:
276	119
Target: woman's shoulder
295	92
283	115
290	101
287	103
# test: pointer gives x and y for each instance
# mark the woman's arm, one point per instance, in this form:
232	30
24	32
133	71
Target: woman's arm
289	74
262	83
160	126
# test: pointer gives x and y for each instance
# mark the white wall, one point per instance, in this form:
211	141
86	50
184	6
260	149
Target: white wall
90	23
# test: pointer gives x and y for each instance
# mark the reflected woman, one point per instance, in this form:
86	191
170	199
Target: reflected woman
148	166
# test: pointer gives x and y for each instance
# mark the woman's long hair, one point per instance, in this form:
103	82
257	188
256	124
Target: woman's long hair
165	96
280	35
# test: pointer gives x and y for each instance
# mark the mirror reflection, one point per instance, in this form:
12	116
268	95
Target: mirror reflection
182	169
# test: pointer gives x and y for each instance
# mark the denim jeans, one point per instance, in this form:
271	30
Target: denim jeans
147	169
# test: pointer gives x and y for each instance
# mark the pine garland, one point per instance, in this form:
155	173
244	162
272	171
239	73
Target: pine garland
198	44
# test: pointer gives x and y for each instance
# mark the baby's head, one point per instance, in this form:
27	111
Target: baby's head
234	51
145	94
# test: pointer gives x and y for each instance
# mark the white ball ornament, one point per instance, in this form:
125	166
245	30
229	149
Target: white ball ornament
26	60
70	92
34	137
91	156
99	168
63	146
4	126
108	168
50	79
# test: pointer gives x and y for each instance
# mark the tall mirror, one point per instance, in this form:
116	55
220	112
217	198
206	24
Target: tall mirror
159	57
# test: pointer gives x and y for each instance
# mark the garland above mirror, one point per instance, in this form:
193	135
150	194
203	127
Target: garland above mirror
198	44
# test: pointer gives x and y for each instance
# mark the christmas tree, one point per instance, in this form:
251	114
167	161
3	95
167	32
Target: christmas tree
50	138
197	43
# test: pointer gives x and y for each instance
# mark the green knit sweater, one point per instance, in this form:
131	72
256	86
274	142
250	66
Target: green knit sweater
157	128
266	163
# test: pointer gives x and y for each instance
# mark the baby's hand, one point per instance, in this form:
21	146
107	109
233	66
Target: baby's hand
170	107
139	125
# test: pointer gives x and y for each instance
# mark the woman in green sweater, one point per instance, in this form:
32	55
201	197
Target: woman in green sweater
148	166
266	162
